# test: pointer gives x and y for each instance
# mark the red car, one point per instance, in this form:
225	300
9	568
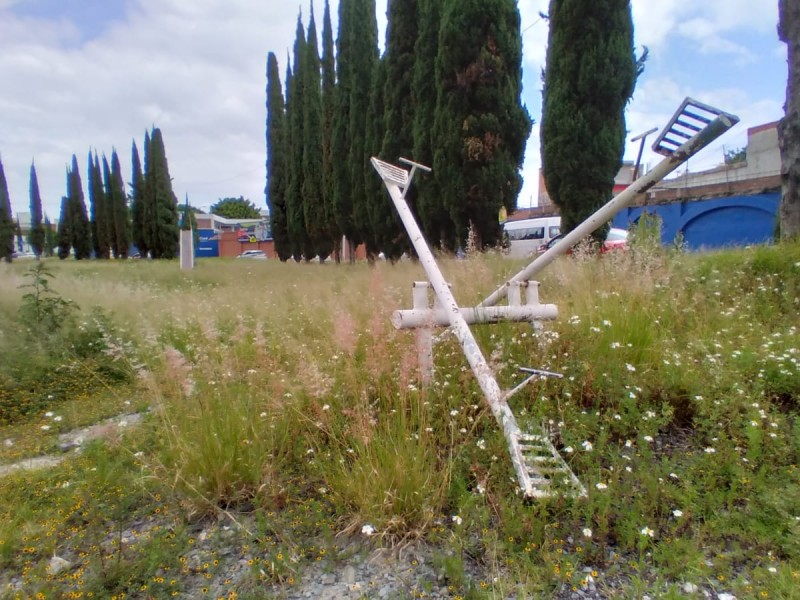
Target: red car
617	239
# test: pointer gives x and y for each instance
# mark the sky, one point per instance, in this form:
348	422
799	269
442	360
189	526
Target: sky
93	75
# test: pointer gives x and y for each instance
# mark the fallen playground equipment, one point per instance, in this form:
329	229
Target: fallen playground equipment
540	469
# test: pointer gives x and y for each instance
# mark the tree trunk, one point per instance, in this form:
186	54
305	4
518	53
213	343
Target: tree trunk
789	127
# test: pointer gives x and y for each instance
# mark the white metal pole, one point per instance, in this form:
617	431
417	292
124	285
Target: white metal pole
419	296
604	214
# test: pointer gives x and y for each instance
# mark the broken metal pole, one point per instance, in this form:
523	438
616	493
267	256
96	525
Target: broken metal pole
712	131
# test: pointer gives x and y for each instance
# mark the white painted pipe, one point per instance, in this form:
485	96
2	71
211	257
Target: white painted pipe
410	319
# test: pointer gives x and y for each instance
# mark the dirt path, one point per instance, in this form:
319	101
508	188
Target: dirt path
74	440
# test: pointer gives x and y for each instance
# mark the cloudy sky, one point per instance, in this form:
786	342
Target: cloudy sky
77	75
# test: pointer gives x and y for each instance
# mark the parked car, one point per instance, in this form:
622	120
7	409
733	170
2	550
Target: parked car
253	254
617	239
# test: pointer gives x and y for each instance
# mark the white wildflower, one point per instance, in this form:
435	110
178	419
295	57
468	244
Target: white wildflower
647	531
457	520
587	445
677	513
630	367
710	450
368	529
600	485
587	533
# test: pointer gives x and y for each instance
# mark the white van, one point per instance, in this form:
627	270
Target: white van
526	235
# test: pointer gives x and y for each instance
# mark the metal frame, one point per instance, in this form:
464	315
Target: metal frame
540	470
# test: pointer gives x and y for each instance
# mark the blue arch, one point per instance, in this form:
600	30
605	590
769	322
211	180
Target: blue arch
715	223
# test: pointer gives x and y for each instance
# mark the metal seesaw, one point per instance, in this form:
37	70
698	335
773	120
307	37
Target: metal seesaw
540	469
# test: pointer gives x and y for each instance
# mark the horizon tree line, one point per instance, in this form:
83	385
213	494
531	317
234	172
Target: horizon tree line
147	217
446	92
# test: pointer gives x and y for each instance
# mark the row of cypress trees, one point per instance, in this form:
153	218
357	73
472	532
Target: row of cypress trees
446	93
148	218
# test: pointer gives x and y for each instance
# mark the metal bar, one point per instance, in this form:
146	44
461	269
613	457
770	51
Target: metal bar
419	296
688	125
604	214
410	319
483	372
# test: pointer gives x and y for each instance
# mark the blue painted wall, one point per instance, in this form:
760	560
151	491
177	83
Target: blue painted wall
716	223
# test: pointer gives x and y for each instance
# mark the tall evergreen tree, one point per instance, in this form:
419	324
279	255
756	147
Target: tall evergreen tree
64	237
36	237
50	237
319	240
81	239
6	222
163	203
98	209
119	226
294	196
364	47
341	149
397	132
276	160
480	126
434	218
139	232
328	110
589	77
385	232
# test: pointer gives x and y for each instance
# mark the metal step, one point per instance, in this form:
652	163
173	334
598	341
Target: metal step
545	472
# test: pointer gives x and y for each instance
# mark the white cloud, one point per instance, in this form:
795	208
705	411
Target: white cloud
196	69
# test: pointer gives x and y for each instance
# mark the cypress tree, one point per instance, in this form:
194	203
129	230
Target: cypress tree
64	237
294	198
119	227
276	160
319	242
589	77
396	124
341	136
434	218
50	237
138	229
81	239
6	222
98	208
36	237
163	203
364	48
385	232
328	110
480	126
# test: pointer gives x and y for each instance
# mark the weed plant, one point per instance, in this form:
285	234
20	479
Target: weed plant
281	391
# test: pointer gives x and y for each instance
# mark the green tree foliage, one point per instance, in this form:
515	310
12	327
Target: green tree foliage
36	237
364	48
434	218
294	194
328	110
480	127
120	229
64	237
385	233
81	238
235	208
318	234
6	222
139	232
50	237
98	210
276	160
396	124
589	77
162	200
341	134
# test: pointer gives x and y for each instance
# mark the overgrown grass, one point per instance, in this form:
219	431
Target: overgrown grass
283	390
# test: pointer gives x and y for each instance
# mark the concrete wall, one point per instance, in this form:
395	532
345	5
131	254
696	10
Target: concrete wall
715	223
